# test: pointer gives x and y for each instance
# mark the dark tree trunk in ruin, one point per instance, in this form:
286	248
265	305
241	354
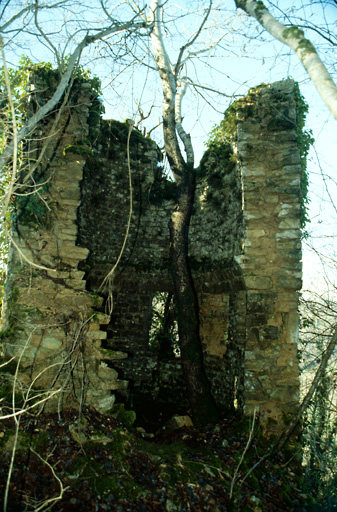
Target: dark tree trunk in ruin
202	403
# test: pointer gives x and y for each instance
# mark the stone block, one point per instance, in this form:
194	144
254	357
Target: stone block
177	422
93	327
250	171
119	385
102	318
71	251
97	335
76	284
112	355
256	233
290	223
289	234
51	343
258	282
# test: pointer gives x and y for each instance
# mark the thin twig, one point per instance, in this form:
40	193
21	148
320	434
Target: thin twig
49	501
109	278
251	434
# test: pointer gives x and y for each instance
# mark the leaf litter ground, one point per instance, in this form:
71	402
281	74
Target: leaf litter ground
106	466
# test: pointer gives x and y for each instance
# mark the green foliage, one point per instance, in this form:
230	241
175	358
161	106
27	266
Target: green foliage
320	444
162	190
219	155
34	209
304	141
80	148
126	417
244	108
240	109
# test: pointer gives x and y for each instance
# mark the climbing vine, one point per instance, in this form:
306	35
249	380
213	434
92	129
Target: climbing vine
31	205
304	140
245	108
23	99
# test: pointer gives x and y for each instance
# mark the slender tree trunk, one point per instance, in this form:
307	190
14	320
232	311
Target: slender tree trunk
294	38
203	406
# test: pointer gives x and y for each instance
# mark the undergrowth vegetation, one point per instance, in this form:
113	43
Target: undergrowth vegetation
102	464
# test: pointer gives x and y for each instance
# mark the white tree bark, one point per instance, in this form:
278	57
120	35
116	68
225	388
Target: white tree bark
184	136
304	49
174	89
169	85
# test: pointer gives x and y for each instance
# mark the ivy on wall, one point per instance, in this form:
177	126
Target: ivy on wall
245	108
31	206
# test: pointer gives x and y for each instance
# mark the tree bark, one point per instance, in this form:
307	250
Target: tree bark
202	403
304	49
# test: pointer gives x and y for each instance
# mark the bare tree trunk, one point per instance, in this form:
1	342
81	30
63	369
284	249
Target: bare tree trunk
203	406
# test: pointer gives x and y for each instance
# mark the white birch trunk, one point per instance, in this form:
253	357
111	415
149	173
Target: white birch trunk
304	49
169	85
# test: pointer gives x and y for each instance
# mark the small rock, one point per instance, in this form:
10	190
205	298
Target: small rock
257	504
170	506
177	422
77	434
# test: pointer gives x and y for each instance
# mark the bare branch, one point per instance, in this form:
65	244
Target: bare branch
192	40
321	369
72	63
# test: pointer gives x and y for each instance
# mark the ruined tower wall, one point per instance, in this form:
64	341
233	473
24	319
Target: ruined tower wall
244	254
270	162
50	323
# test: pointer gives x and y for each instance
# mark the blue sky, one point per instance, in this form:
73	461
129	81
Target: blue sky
236	63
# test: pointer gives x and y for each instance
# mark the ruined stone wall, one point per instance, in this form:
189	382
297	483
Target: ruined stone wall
215	238
270	162
244	253
50	323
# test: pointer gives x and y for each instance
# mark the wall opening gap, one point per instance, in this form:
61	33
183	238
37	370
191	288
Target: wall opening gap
163	334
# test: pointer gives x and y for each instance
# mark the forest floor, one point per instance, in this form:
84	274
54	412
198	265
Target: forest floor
100	463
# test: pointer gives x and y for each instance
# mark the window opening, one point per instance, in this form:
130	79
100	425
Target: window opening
163	333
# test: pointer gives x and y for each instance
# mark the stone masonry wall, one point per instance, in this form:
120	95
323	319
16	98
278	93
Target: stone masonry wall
50	322
244	253
145	267
269	160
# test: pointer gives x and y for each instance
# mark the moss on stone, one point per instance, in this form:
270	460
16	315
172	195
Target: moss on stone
126	417
79	148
